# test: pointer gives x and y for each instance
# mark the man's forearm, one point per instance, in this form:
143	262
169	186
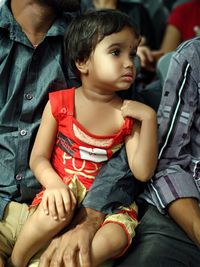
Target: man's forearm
186	213
88	216
75	241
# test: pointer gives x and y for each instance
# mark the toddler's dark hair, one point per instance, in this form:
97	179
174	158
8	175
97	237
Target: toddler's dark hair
87	30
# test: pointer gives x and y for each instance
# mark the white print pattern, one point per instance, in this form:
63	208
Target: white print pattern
91	140
93	154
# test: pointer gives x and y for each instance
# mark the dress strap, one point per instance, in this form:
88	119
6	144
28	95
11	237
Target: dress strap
69	99
129	122
62	102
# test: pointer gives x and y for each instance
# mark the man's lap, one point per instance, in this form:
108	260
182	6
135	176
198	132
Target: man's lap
15	216
160	242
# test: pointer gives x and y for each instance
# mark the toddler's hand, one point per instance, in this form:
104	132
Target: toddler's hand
58	202
137	110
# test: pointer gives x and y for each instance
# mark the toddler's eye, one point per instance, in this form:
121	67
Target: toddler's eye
115	52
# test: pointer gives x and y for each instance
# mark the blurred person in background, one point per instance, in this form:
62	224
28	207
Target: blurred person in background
183	24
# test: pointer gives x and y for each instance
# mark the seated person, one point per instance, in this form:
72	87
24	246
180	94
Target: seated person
183	24
71	145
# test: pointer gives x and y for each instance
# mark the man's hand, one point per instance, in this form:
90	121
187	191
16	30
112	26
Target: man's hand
72	248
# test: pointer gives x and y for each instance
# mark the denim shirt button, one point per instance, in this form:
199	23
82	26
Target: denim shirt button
23	132
18	177
29	96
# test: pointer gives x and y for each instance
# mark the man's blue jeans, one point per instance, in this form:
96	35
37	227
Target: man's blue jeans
159	242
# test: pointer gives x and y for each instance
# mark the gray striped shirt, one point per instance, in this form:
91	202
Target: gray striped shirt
178	171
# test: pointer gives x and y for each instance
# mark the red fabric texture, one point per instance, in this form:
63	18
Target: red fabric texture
185	18
71	156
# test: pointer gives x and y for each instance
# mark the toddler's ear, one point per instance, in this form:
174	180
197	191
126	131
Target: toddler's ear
82	66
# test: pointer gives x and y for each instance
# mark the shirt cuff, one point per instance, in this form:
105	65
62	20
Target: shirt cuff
172	184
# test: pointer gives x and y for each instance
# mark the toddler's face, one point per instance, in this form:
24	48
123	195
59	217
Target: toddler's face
111	65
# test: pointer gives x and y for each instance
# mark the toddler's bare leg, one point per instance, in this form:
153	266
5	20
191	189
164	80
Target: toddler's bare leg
109	241
37	231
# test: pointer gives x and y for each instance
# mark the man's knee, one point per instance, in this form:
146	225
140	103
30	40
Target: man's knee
141	255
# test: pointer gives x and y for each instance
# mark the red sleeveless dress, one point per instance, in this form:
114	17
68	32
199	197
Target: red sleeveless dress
78	155
76	151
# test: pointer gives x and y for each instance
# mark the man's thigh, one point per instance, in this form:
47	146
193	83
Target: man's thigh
14	217
160	242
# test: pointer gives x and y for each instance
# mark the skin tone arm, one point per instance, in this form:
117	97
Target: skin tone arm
171	40
186	213
57	199
142	145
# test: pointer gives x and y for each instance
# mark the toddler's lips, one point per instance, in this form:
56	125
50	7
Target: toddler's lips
128	77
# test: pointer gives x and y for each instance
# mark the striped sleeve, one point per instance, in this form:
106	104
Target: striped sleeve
179	130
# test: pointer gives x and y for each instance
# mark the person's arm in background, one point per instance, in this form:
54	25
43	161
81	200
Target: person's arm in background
186	213
171	39
175	187
175	28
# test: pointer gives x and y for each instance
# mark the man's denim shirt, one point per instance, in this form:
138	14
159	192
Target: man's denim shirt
26	77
